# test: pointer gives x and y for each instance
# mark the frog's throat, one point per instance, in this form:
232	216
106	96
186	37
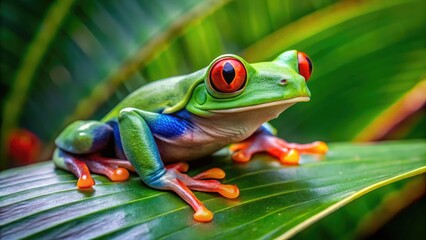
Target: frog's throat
288	102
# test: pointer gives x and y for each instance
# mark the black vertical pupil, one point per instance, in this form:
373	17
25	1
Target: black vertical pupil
228	73
310	64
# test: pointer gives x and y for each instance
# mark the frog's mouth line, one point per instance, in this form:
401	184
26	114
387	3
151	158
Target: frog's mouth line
288	102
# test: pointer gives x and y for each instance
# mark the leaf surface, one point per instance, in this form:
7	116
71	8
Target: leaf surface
41	202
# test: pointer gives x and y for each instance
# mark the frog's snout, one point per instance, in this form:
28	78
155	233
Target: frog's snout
296	85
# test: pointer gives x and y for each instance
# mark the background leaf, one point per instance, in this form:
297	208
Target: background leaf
283	201
364	59
364	217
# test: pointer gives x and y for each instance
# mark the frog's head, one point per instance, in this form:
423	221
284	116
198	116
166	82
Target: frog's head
233	85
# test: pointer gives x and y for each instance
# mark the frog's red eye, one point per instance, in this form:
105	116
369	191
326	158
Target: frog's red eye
305	65
228	75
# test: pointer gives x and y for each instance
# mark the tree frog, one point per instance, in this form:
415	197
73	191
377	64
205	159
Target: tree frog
162	125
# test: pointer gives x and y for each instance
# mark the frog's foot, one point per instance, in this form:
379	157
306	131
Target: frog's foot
115	169
212	173
182	184
82	165
287	153
78	168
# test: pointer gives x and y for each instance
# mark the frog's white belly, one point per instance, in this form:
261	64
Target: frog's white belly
202	141
175	153
213	133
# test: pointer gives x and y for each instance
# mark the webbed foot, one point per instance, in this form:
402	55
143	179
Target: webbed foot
115	169
287	153
82	165
175	180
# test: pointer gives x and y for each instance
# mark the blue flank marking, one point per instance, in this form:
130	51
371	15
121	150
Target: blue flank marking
184	114
265	130
117	139
171	126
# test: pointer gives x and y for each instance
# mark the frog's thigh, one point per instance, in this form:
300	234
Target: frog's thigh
82	137
139	144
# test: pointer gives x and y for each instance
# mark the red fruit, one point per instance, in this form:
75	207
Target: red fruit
23	147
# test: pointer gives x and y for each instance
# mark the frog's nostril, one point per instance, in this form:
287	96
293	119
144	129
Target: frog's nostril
283	82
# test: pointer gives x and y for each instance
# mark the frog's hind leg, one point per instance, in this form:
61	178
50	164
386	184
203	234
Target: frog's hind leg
115	169
82	165
78	152
113	162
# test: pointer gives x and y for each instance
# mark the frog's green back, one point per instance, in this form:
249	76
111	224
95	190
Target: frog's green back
167	95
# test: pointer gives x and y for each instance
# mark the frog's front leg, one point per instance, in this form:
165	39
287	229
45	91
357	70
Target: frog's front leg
141	150
264	140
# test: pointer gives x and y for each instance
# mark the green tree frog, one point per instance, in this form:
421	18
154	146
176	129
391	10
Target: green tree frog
161	125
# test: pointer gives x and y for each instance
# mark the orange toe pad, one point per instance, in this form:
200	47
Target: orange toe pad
120	175
203	215
85	181
229	191
291	158
321	147
214	173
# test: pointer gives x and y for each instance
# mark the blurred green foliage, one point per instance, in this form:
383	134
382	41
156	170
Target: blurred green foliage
68	60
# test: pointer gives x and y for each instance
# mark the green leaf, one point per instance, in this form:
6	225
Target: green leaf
276	201
366	215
